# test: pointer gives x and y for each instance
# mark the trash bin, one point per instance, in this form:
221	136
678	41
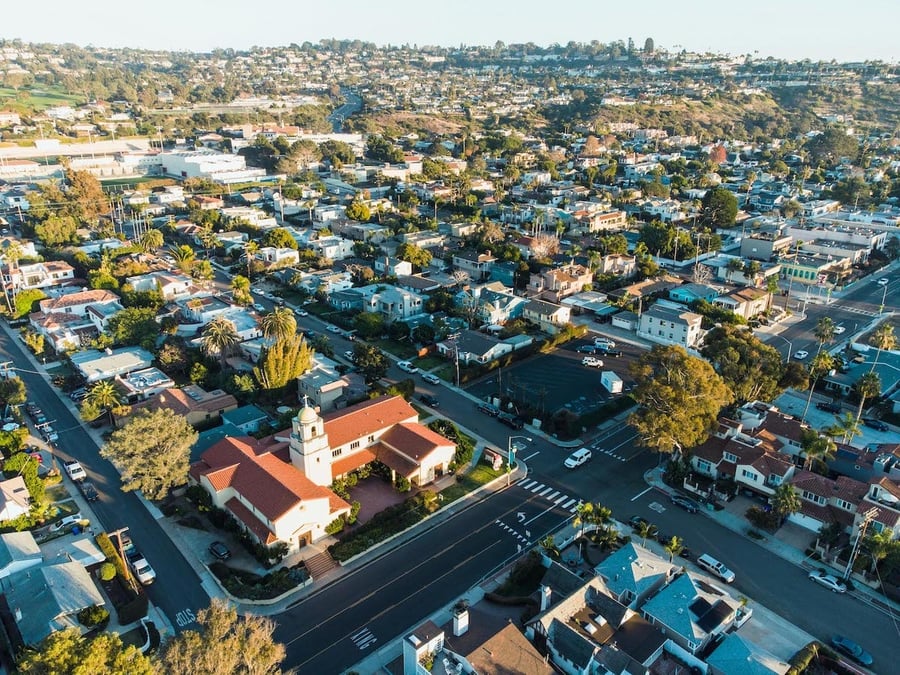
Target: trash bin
76	529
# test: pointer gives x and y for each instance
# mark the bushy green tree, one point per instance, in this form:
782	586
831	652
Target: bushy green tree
719	208
67	651
751	368
283	362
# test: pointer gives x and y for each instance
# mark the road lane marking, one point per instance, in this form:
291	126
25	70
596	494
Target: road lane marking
549	508
527	485
561	499
537	487
555	494
641	494
569	503
575	508
545	491
533	454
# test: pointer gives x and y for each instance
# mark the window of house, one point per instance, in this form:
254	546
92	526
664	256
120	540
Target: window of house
847	506
372	438
703	465
354	445
775	480
746	473
336	453
731	457
812	497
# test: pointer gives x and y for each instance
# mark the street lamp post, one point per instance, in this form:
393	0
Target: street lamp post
790	347
510	456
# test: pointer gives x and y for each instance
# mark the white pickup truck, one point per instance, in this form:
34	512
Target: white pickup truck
75	470
141	568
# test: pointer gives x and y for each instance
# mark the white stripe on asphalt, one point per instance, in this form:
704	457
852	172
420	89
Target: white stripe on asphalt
537	487
561	499
554	495
569	503
544	491
529	484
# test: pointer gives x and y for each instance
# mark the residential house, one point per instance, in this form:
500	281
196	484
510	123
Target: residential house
556	284
391	302
38	275
142	384
691	292
600	221
94	365
47	599
272	256
633	573
736	655
618	264
765	246
690	615
671	326
476	265
248	419
549	316
824	500
473	347
745	302
815	269
388	266
15	500
171	285
887	367
881	504
491	304
194	404
425	641
18	551
203	309
323	386
505	272
70	321
332	248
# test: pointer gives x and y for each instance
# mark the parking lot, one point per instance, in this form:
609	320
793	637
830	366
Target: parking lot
558	380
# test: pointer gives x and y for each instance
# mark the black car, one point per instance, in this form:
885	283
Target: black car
875	424
487	409
512	421
610	352
219	550
88	491
829	407
688	505
637	521
430	400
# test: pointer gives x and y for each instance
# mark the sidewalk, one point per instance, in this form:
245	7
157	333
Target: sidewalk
777	545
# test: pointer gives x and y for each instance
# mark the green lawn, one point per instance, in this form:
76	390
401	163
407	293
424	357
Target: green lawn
37	99
57	493
402	350
469	481
429	362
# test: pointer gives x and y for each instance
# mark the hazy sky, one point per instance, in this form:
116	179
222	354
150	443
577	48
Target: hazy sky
796	29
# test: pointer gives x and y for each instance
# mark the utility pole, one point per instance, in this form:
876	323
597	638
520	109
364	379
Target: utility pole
121	550
867	518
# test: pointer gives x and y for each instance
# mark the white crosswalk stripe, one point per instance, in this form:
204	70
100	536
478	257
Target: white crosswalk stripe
529	484
569	503
537	487
545	491
551	497
561	499
363	639
572	510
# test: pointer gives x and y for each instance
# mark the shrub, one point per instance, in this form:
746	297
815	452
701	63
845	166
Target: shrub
766	520
107	571
334	526
93	616
402	484
112	555
134	610
355	506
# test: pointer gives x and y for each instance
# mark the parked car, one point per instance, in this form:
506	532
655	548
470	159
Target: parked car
88	491
79	394
577	458
687	504
592	362
407	367
75	471
219	550
829	407
838	330
854	650
587	349
258	307
637	521
331	328
510	420
801	354
141	568
829	581
67	522
301	312
431	378
875	424
349	355
712	565
487	409
609	352
604	342
428	399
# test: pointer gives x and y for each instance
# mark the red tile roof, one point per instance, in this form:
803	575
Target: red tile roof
73	299
414	440
273	486
347	464
367	418
394	460
254	524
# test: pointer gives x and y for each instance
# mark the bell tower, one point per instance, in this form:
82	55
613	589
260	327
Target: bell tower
310	452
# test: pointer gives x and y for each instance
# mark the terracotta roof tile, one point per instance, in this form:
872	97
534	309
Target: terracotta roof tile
394	460
254	524
414	440
81	298
367	418
347	464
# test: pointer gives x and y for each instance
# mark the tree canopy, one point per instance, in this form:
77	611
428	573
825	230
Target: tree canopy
283	362
152	451
751	369
719	208
67	651
680	397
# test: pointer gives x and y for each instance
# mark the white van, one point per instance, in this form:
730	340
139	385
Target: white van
712	565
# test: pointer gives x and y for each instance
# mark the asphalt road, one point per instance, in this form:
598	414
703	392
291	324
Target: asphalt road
177	590
347	621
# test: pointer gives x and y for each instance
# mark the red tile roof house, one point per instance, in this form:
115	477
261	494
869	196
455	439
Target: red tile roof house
825	501
278	487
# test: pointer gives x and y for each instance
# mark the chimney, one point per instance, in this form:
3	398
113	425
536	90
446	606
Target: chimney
460	621
545	598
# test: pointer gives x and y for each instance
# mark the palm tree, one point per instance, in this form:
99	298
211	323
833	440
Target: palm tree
821	364
645	529
868	386
183	255
824	331
879	545
785	501
104	396
674	547
583	515
278	324
845	426
550	547
151	240
818	448
208	239
219	338
250	247
882	338
734	265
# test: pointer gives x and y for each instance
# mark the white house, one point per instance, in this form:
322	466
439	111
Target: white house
671	326
15	499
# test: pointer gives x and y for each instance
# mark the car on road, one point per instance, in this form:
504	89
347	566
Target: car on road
587	349
258	291
838	330
577	458
301	312
884	281
609	352
141	568
712	565
349	355
428	399
801	354
510	420
219	550
258	307
829	407
637	521
853	649
331	328
685	503
829	581
487	409
875	424
431	378
592	362
75	471
604	342
88	491
407	366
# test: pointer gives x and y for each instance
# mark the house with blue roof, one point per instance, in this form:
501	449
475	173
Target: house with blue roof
737	656
634	573
688	293
248	419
